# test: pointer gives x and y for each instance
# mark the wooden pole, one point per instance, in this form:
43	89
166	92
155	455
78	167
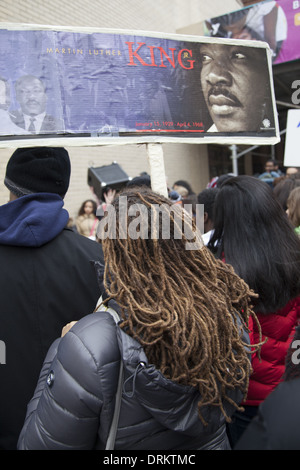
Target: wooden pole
159	185
157	169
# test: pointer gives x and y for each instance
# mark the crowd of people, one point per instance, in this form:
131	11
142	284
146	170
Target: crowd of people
201	340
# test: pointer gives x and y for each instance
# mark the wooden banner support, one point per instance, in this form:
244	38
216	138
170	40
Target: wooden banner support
157	169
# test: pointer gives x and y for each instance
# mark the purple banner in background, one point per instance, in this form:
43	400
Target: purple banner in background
276	22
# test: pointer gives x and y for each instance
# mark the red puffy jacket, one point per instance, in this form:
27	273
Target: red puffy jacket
279	328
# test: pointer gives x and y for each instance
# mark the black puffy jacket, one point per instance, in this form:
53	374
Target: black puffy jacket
74	400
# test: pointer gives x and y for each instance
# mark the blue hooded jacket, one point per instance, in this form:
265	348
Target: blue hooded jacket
32	220
47	279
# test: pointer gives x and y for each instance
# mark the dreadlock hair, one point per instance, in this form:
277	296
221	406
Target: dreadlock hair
186	308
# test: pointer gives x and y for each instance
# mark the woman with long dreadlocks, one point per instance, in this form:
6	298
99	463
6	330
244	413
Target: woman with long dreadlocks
182	338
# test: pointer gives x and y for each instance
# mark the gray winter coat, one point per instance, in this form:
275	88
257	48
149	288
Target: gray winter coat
73	403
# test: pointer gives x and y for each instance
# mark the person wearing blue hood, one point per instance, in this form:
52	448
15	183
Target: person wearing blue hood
47	275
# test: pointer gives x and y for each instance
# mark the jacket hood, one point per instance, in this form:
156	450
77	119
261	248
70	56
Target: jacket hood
32	220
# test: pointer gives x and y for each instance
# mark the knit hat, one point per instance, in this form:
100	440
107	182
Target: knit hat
38	170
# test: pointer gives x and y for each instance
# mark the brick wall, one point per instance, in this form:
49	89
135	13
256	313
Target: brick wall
182	161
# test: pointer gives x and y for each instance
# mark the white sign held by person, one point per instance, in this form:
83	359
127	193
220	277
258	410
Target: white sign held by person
89	86
292	139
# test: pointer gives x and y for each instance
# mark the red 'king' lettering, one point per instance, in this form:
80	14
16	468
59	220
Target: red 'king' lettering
172	61
190	61
134	54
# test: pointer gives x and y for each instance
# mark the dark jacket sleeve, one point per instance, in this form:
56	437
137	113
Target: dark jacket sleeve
66	408
256	436
276	426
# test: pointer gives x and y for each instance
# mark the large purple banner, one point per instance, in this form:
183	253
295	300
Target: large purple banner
93	87
277	23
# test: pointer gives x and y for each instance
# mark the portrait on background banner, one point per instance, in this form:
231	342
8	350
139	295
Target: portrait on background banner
276	22
99	86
